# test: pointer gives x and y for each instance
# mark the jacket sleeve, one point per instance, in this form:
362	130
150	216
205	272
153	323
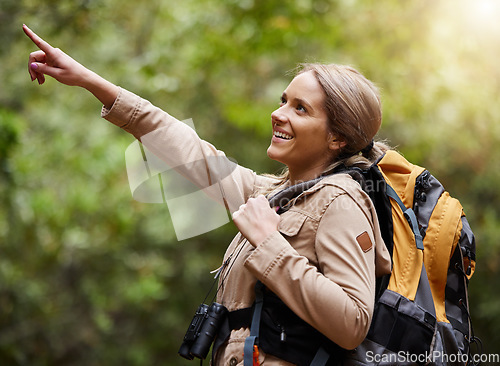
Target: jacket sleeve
338	298
178	145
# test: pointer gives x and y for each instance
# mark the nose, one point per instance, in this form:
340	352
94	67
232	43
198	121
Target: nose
279	116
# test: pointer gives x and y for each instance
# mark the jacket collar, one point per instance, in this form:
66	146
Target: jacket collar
288	196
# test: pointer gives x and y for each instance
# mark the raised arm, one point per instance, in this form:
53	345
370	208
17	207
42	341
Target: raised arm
173	142
55	63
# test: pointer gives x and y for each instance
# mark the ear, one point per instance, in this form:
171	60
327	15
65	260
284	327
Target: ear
335	143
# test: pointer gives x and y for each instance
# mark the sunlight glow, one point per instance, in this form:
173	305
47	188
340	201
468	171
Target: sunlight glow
462	21
485	8
484	13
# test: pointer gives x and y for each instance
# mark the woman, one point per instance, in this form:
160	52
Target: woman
322	255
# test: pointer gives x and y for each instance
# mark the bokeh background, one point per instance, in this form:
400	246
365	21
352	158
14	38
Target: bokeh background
88	276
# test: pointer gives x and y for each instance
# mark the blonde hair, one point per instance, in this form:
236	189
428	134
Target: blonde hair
354	111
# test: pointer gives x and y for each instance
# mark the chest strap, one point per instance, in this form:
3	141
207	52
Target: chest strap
253	339
320	359
240	318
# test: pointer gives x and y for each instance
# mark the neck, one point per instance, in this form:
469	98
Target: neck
297	177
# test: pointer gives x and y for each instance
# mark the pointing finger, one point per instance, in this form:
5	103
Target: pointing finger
44	46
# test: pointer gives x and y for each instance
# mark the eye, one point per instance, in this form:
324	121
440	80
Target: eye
282	101
301	108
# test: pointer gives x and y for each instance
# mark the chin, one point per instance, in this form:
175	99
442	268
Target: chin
272	155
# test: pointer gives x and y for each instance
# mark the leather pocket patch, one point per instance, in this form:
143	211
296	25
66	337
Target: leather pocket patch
364	241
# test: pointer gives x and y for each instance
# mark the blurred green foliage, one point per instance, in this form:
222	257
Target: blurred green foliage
90	277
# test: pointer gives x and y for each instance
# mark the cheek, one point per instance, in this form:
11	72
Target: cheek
318	139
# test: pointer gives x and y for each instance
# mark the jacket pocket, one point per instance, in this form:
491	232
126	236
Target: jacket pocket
291	222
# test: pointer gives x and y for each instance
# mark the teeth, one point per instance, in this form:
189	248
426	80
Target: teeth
282	135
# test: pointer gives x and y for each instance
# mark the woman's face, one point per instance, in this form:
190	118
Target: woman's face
301	139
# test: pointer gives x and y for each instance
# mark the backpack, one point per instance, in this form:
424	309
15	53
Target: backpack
421	313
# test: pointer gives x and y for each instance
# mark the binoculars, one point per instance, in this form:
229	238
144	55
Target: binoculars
202	331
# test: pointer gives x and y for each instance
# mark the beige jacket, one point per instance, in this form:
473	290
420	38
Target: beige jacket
323	261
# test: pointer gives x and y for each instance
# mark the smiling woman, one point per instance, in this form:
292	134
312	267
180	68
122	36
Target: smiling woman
327	118
323	253
301	137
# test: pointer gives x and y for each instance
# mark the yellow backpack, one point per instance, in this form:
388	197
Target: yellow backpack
422	311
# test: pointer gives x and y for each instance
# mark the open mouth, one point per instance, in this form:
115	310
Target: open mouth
282	135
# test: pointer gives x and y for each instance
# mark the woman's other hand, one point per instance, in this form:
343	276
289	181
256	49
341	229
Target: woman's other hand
256	220
55	63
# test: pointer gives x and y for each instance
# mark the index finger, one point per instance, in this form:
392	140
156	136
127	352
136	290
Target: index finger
44	46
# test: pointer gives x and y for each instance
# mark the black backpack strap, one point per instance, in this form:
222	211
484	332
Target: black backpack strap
240	318
321	358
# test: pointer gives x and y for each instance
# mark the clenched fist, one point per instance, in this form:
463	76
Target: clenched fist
256	220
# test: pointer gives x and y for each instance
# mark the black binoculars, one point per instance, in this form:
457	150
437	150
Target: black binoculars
202	331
